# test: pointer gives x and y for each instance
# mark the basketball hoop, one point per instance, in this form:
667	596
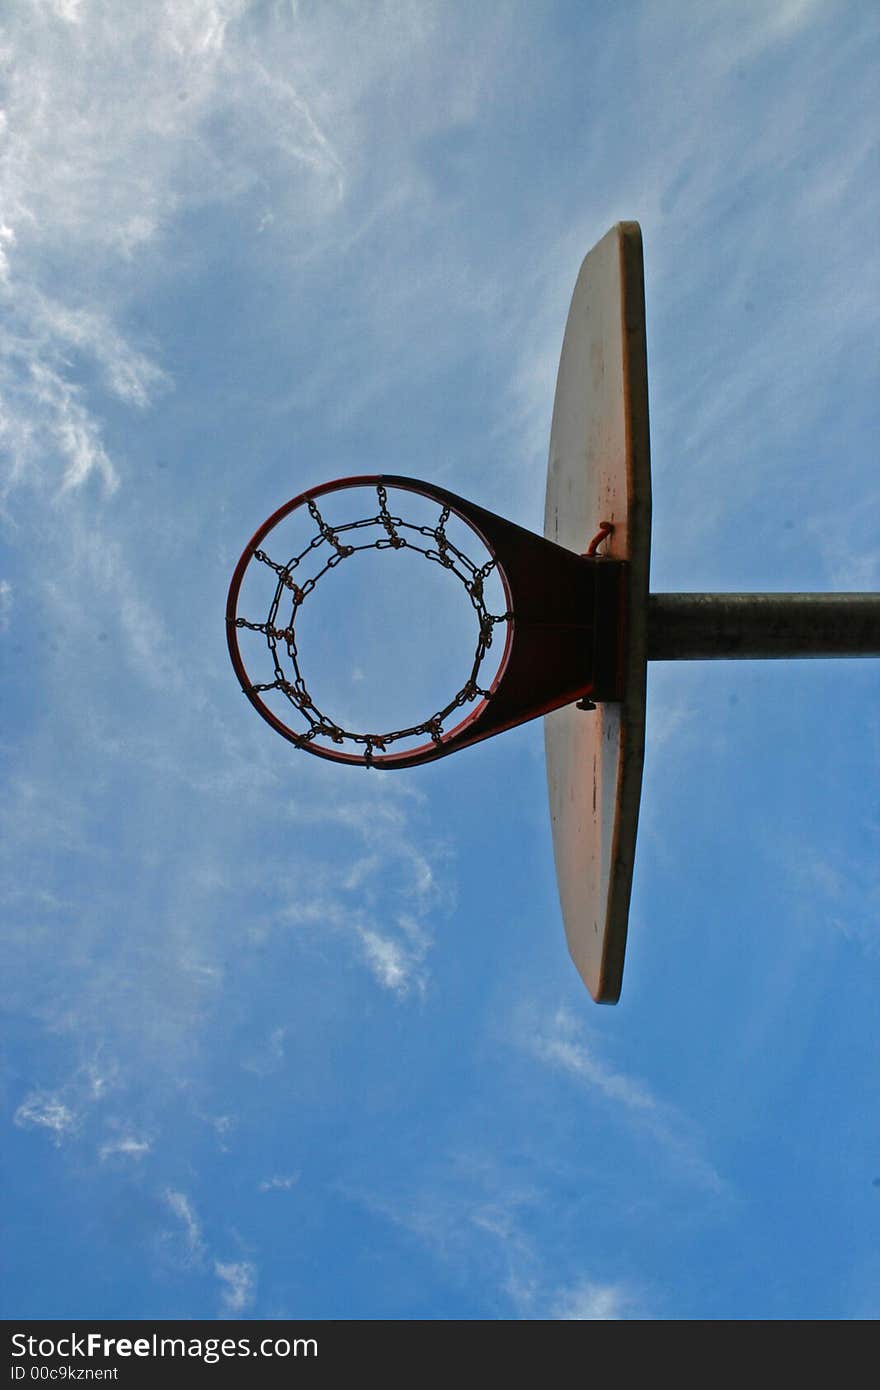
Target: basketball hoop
545	661
580	629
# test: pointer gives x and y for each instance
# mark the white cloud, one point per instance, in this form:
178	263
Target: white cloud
849	553
396	872
561	1044
131	127
472	1217
125	1147
118	601
129	374
588	1302
774	313
267	1056
7	238
387	960
560	1047
48	413
110	127
786	18
395	961
240	1279
5	604
670	720
64	422
839	890
68	10
583	1300
108	156
63	1112
191	1232
469	1216
45	1111
281	1182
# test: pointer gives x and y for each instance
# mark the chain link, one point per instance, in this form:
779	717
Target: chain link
326	532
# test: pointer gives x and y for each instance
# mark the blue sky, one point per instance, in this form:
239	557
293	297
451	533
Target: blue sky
286	1039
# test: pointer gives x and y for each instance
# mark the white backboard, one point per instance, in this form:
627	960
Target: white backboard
600	470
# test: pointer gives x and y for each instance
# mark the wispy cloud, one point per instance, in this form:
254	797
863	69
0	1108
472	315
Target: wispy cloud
45	1111
126	1146
588	1302
5	604
268	1055
395	960
189	1230
239	1280
480	1224
562	1045
64	1111
45	414
387	960
750	375
384	897
583	1300
850	554
190	1250
100	158
838	889
281	1182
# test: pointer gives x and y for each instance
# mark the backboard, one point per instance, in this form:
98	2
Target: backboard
600	470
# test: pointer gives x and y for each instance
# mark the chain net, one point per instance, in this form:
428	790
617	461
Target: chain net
279	628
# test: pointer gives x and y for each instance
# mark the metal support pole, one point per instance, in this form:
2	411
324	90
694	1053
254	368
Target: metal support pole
702	627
